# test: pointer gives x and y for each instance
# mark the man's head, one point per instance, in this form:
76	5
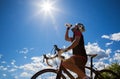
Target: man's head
79	26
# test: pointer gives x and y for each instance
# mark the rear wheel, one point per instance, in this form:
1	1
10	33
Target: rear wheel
106	74
46	74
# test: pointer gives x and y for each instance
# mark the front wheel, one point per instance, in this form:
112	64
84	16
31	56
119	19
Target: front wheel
46	74
106	74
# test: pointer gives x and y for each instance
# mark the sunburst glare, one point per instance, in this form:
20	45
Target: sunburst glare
47	10
46	7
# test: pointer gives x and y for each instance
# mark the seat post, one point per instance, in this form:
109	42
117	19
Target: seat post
91	74
91	64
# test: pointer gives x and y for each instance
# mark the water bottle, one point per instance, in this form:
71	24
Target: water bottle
68	25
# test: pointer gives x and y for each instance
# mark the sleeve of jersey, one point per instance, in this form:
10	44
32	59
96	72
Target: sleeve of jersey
78	34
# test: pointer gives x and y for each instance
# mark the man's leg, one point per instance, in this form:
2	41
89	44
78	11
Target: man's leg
70	64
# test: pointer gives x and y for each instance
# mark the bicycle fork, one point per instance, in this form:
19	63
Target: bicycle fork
59	71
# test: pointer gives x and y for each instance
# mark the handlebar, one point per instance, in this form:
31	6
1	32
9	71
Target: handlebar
56	49
57	55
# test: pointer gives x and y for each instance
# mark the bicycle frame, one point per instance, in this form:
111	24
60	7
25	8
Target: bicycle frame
58	71
90	68
61	68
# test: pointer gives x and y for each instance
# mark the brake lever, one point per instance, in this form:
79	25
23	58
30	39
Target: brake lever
56	48
54	51
46	58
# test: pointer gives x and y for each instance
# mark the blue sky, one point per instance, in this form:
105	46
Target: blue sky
27	32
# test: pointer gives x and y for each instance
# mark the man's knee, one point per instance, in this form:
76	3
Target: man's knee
64	64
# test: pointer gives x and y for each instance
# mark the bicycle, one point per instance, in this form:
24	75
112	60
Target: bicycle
60	72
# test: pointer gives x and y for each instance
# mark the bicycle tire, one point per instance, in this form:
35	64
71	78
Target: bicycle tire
106	74
46	71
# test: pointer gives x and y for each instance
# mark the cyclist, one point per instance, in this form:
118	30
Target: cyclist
77	62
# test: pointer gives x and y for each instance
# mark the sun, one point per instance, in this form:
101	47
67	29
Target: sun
47	7
47	10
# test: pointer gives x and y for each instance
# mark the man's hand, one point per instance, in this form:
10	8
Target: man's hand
68	26
59	54
62	51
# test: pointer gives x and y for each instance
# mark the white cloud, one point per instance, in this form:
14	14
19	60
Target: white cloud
114	36
27	70
16	77
100	65
24	51
28	67
34	66
117	51
110	43
37	59
13	62
4	75
3	68
25	57
106	36
31	49
93	48
3	62
25	74
108	51
116	57
110	60
12	70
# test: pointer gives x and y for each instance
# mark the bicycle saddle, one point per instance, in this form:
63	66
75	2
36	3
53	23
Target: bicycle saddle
92	55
